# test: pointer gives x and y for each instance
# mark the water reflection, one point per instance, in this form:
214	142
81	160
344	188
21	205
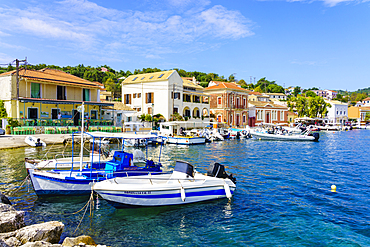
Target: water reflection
283	196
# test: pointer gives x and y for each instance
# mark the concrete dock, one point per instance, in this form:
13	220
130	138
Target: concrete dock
16	141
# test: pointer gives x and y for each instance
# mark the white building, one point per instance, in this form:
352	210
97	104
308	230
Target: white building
330	94
166	93
338	112
276	96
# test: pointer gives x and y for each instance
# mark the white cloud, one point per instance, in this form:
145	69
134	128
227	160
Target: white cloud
85	24
331	3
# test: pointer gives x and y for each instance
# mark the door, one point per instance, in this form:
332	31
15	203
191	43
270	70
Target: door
54	113
267	117
32	113
76	117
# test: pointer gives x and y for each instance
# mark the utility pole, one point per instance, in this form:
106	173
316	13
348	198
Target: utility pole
17	73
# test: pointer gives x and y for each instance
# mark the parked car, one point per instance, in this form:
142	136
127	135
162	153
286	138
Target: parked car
2	131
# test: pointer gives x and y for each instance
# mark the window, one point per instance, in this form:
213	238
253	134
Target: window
134	79
219	118
35	90
237	102
150	110
244	119
94	114
151	77
274	115
175	110
139	95
196	99
61	93
134	95
127	98
245	102
219	101
259	115
149	98
86	95
160	75
281	115
175	95
143	78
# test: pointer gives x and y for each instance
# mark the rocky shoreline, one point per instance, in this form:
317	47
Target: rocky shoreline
14	232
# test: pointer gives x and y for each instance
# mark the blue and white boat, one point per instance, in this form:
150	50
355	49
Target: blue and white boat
79	181
182	186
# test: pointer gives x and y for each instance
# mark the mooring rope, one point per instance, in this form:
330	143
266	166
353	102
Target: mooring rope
19	187
91	203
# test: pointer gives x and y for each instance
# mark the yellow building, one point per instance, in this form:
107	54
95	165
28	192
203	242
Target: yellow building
358	113
39	96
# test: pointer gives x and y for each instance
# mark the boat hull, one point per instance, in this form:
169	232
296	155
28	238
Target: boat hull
162	190
186	140
278	137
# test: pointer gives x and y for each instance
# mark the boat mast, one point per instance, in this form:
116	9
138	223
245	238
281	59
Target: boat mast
82	136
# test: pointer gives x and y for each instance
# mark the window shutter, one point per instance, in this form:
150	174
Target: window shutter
130	98
152	97
146	97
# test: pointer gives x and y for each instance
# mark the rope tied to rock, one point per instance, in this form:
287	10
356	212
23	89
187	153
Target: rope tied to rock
89	204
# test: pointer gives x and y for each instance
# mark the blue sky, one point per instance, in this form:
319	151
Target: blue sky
307	43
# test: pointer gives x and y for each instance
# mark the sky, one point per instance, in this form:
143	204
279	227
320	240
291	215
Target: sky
306	43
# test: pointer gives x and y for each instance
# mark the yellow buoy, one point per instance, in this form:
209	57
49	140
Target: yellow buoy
333	188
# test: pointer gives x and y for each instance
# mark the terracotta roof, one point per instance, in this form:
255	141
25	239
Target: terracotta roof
226	85
54	76
365	108
368	98
292	113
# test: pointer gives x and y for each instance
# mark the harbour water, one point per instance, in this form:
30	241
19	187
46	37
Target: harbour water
283	197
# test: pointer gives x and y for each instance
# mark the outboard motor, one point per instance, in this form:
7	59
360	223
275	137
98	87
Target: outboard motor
316	135
38	143
218	171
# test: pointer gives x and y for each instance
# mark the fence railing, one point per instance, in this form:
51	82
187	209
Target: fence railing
62	122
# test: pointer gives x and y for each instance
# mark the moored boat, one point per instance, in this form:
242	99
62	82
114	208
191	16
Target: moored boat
182	186
281	135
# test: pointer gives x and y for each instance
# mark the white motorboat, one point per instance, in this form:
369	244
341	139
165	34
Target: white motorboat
34	141
182	186
265	134
186	140
135	143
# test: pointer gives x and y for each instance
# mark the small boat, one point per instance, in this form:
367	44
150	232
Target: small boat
34	142
182	186
186	140
282	135
135	143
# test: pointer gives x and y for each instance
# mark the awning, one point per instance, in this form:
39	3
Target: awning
63	102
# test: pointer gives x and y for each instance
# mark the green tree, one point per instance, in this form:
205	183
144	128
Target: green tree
310	94
296	91
258	89
3	113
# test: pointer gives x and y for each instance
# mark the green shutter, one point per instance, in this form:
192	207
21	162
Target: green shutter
35	90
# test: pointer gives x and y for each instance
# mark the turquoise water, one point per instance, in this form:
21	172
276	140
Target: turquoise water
283	197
